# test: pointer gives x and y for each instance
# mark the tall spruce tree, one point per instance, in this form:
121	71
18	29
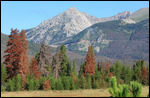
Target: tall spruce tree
24	70
90	63
64	66
13	56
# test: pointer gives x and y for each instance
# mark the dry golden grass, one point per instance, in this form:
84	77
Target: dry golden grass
67	93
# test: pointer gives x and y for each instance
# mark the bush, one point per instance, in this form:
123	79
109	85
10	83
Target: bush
132	90
135	88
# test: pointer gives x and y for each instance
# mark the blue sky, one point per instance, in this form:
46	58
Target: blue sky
29	14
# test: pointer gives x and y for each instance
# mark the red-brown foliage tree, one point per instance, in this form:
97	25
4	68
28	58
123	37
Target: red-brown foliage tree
144	75
46	84
102	66
24	70
34	69
90	63
14	50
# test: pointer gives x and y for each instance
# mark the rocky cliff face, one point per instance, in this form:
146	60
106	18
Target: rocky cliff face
65	25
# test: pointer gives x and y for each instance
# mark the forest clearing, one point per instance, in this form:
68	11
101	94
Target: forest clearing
67	93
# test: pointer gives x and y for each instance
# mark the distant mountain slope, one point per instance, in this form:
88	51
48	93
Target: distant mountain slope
62	27
114	39
141	14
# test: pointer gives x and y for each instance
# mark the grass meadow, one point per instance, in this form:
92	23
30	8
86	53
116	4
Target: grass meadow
67	93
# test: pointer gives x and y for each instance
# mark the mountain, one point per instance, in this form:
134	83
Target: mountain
139	15
114	39
62	27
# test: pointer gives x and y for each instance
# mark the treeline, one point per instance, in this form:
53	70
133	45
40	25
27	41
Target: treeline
46	72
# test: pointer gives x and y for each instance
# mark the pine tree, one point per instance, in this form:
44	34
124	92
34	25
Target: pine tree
117	71
10	85
66	82
3	74
88	81
90	63
14	51
137	72
34	69
72	85
64	61
18	82
144	75
46	84
82	82
81	71
59	85
24	70
98	66
74	68
53	83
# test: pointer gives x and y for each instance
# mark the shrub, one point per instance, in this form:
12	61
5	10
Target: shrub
122	91
135	88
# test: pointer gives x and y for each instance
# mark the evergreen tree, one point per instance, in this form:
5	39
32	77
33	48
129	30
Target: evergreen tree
72	85
34	69
46	84
90	63
81	69
64	69
59	85
69	69
74	68
88	81
66	82
53	83
144	75
117	71
137	71
82	82
18	82
24	70
3	74
13	56
10	85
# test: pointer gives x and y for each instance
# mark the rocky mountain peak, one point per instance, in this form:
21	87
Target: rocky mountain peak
124	14
72	11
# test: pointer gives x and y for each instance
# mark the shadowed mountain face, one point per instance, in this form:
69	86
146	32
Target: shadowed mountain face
62	27
114	39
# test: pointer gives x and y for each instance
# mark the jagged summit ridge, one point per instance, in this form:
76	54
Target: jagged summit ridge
65	25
